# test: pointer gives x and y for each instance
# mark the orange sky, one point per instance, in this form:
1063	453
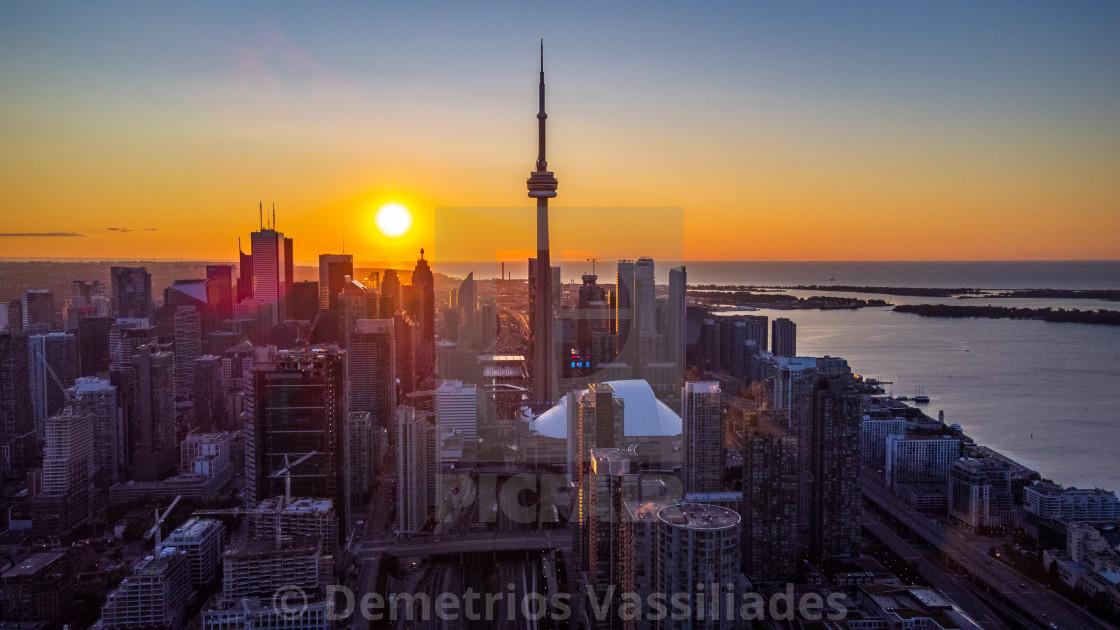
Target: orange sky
767	153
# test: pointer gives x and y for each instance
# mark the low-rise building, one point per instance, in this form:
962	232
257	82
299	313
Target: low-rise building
1050	500
41	586
980	493
911	608
918	457
154	595
301	517
202	539
258	576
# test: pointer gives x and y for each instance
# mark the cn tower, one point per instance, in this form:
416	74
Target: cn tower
542	186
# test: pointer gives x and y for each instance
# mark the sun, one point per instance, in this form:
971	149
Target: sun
393	219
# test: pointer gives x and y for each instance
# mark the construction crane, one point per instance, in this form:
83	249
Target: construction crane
286	473
274	512
594	260
157	529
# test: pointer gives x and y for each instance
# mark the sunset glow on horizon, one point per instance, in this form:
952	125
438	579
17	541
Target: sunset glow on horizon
849	132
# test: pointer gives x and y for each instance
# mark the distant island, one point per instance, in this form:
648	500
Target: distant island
910	291
1066	294
1100	316
781	300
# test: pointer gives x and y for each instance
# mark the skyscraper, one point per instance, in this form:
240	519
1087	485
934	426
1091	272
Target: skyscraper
38	309
219	291
97	398
457	410
698	544
702	415
390	301
303	301
770	543
405	333
372	370
624	312
17	427
188	347
645	294
125	336
818	420
209	394
542	187
608	539
93	345
132	292
423	285
298	407
154	447
69	470
55	352
834	460
245	275
591	328
416	468
361	445
468	295
13	319
333	269
597	422
270	266
289	264
784	337
675	333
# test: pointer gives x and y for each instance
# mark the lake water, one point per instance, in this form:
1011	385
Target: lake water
1045	394
988	275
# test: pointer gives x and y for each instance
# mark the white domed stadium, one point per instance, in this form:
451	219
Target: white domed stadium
648	423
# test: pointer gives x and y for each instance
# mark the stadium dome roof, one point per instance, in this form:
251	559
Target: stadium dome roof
644	416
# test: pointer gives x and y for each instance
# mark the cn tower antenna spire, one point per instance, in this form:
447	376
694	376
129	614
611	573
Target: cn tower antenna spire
542	164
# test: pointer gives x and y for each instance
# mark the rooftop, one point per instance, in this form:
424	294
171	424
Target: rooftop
33	564
194	528
87	384
698	516
1053	489
302	505
154	565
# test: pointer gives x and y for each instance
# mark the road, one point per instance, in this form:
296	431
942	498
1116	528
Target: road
939	577
471	543
969	551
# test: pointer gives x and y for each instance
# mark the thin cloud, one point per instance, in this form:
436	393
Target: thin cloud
39	234
123	230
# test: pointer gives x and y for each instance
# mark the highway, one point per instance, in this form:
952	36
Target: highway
471	543
939	577
969	552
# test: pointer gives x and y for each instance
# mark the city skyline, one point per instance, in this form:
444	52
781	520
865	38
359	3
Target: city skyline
878	132
440	413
